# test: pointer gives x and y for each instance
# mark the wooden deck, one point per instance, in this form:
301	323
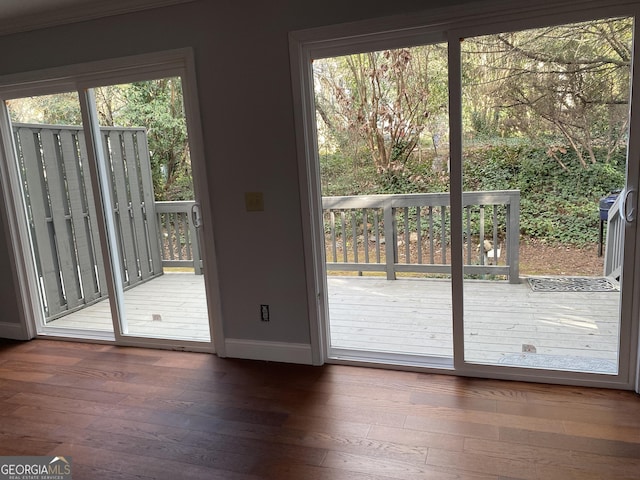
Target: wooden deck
577	330
173	305
569	330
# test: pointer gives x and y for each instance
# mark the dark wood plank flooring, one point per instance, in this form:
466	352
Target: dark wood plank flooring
128	413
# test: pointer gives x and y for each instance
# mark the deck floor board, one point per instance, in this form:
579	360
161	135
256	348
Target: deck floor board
405	316
177	301
413	316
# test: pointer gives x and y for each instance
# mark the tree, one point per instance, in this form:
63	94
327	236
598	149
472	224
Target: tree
568	82
56	109
381	102
158	106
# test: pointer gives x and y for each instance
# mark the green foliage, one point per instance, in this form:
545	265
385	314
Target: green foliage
56	109
491	168
181	188
557	205
157	105
402	179
344	176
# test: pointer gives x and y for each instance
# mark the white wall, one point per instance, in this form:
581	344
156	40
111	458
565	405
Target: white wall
243	76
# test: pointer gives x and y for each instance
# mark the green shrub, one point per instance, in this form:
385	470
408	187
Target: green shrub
344	176
558	205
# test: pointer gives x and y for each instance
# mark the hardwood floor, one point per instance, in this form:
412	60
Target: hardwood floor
126	413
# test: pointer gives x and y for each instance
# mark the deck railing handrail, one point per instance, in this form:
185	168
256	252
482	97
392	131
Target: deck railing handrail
178	236
409	233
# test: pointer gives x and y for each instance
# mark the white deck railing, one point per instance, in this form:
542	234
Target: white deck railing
410	233
615	236
178	236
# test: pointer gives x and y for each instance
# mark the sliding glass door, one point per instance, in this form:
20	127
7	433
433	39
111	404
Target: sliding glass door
386	227
111	233
545	130
144	145
59	208
540	171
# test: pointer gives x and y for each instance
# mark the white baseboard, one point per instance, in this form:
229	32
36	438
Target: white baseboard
270	351
14	331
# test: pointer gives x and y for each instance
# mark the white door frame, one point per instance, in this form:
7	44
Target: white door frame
476	19
82	78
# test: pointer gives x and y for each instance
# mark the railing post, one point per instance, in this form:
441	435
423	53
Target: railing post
194	234
613	253
483	251
390	239
513	233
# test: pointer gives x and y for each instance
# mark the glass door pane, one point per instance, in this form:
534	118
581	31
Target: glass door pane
58	198
145	148
545	129
382	129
